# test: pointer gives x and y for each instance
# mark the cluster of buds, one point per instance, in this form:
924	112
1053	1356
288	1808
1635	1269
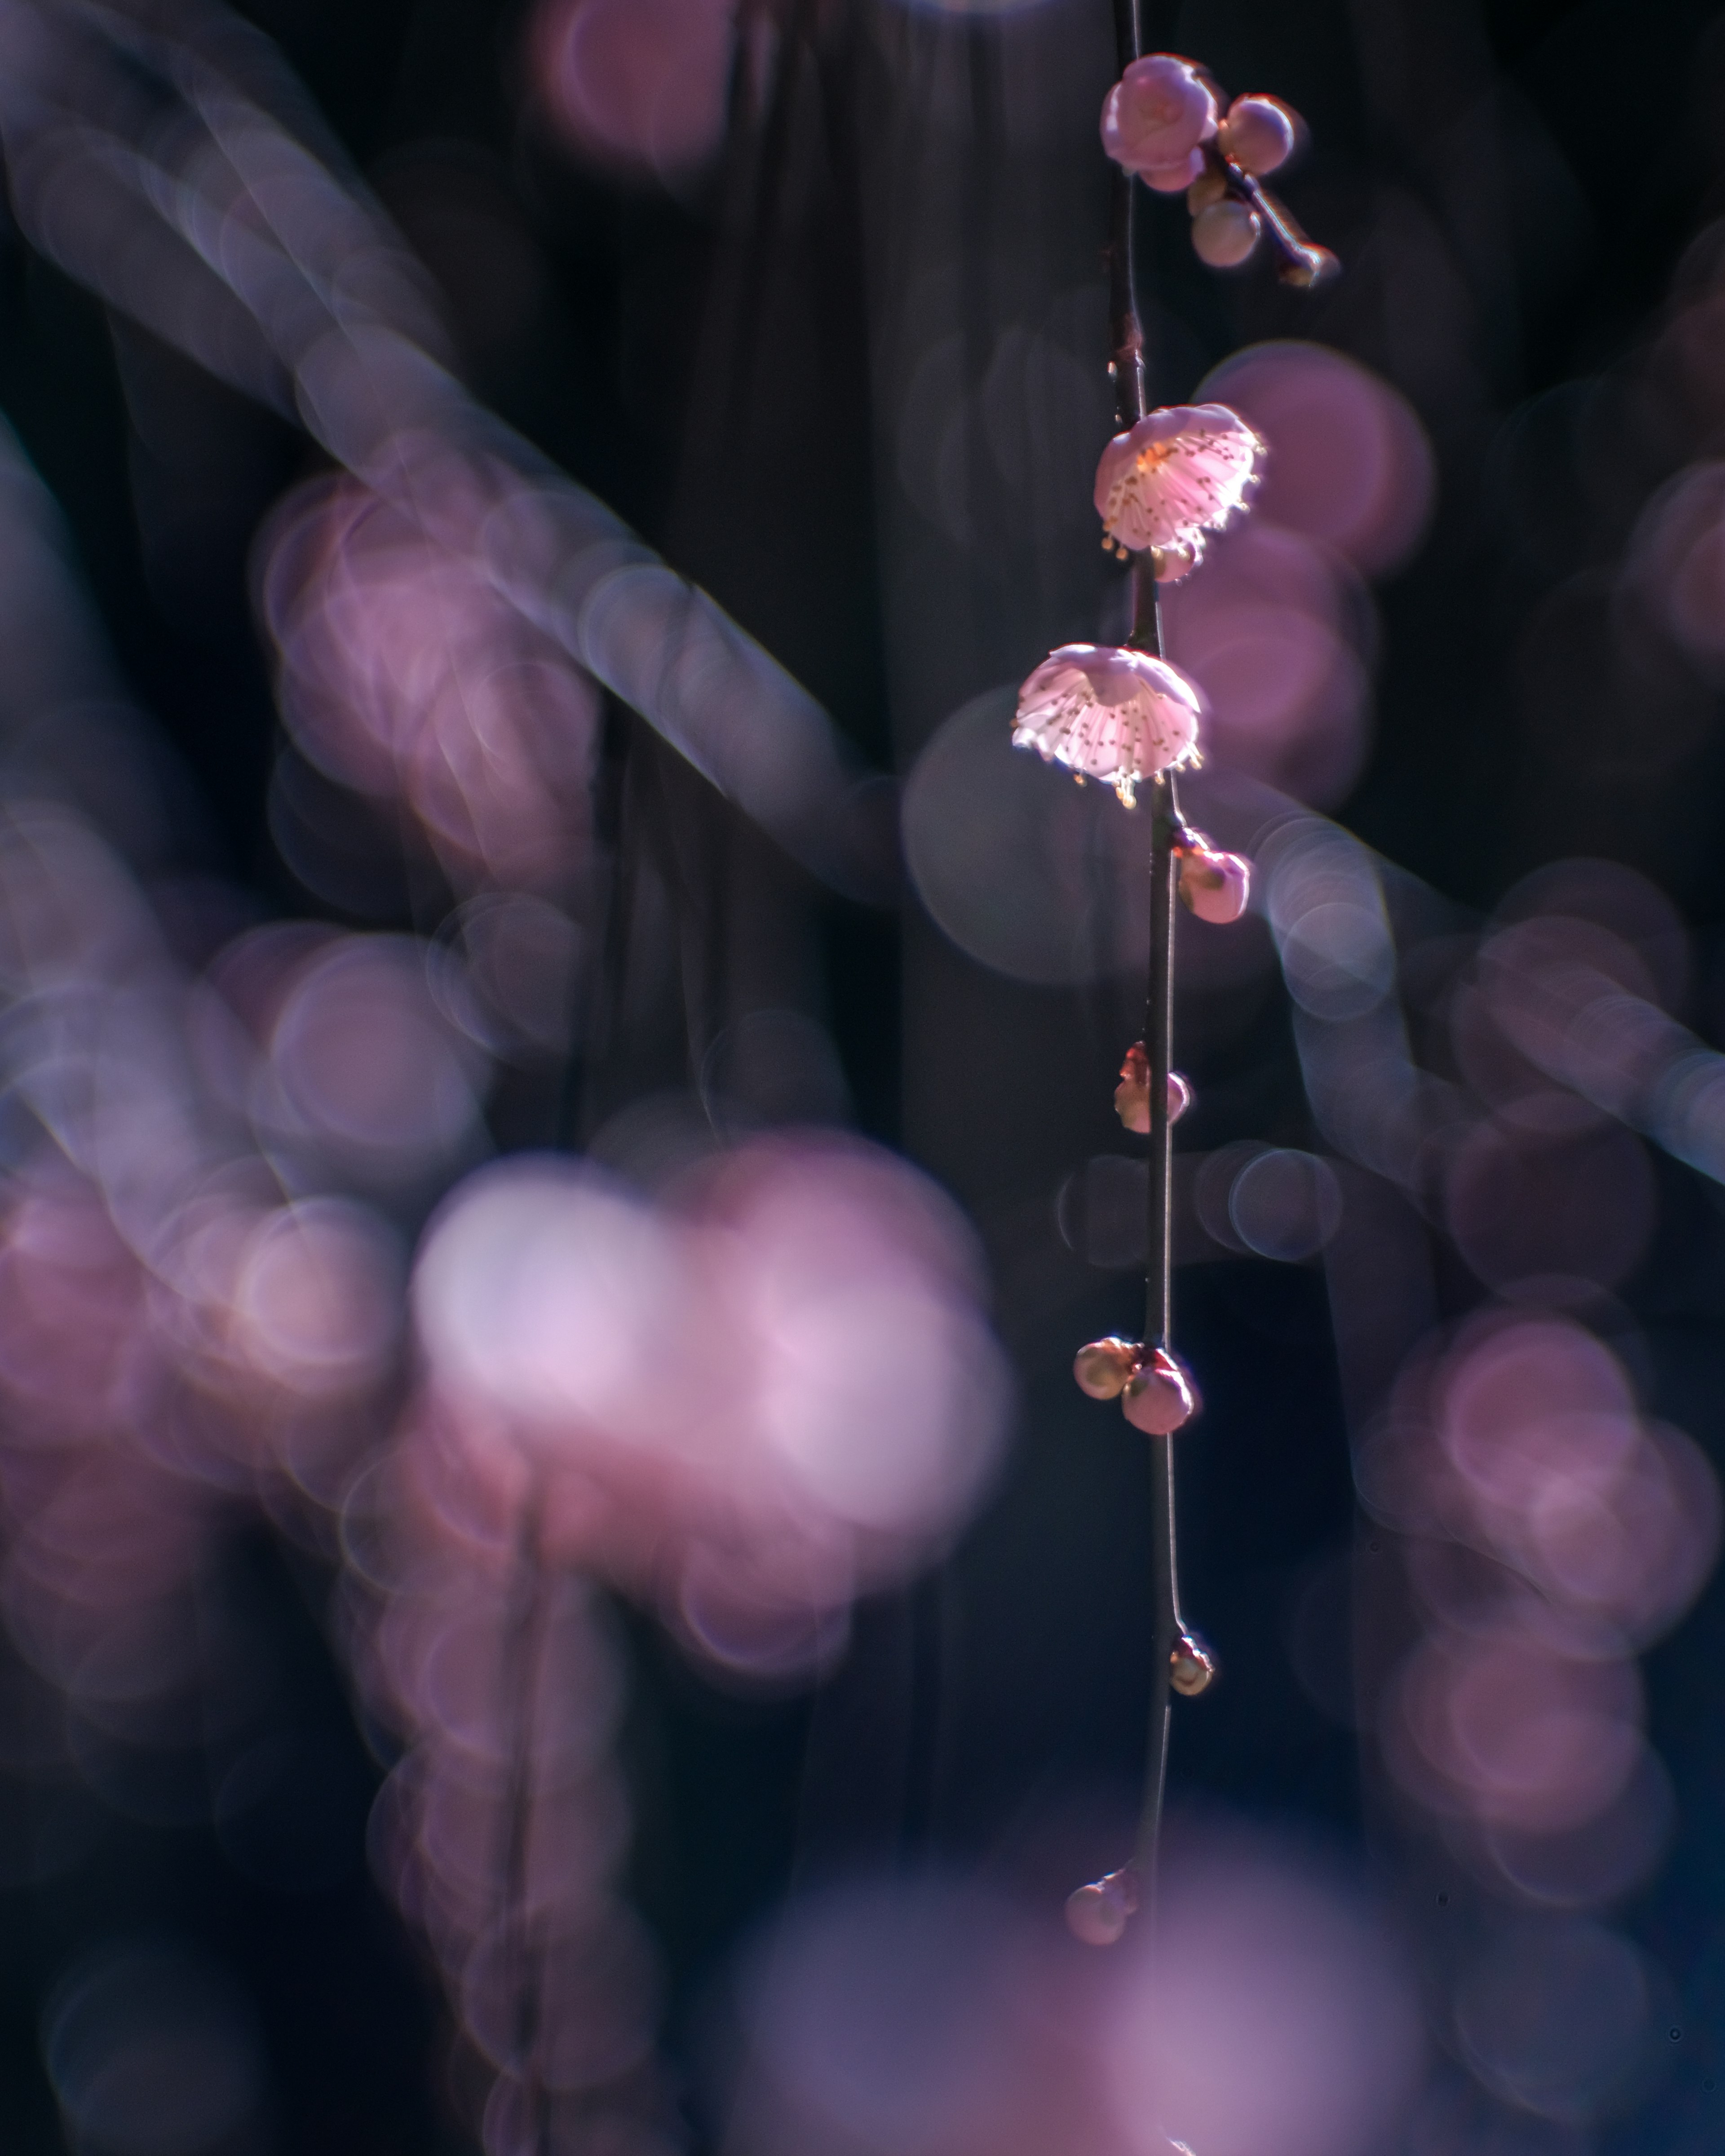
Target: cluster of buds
1156	1394
1167	122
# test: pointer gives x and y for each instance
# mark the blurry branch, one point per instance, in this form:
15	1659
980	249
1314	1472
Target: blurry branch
167	159
1323	892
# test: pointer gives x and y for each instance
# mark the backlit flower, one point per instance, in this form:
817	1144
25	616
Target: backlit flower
1104	713
1180	473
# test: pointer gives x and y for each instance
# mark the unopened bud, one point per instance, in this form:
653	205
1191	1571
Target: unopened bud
1104	1368
1160	1397
1213	885
1097	1913
1190	1668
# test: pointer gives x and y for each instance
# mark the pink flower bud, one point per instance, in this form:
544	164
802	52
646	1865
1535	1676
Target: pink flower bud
1191	1668
1160	1396
1158	114
1169	564
1214	886
1226	233
1132	1096
1258	134
1097	1913
1104	1368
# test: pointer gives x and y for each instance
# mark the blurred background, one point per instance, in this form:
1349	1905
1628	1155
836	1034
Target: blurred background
556	1075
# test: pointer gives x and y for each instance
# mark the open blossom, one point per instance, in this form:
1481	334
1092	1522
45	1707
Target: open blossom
1181	472
1156	115
1105	713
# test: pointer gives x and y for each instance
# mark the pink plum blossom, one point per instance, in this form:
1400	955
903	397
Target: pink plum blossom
1106	713
1157	113
1181	472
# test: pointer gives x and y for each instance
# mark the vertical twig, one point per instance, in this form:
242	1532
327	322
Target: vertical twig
523	1645
1159	1044
1130	401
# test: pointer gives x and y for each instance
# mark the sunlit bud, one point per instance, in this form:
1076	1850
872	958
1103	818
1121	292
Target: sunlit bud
1214	886
1103	1369
1132	1096
1097	1913
1258	134
1209	187
1159	1397
1190	1668
1226	233
1169	564
1174	179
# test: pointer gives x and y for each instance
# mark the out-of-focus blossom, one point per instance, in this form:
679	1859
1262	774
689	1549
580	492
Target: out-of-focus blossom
1160	1396
1348	461
1270	2011
1213	884
759	1400
1181	473
1256	133
405	672
1156	115
1509	1725
1106	713
1098	1913
1278	632
929	2015
1554	2014
639	86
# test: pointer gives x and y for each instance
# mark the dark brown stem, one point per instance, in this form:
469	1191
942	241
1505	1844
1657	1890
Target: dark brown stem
1126	367
1126	333
1166	828
1303	262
